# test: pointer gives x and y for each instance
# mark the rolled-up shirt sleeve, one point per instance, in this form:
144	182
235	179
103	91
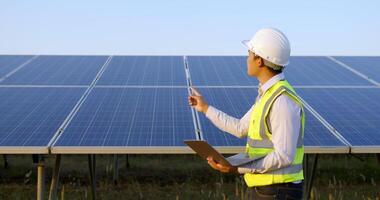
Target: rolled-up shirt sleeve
232	125
285	120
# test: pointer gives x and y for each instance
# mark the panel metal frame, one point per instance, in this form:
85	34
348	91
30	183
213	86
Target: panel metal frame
365	149
24	149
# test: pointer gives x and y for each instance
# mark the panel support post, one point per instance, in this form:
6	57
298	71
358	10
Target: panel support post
55	178
309	174
115	168
127	161
92	167
6	164
40	179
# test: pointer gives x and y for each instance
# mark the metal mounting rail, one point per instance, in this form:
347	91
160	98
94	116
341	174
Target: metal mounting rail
196	121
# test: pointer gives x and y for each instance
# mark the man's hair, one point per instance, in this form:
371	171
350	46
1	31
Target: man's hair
275	70
271	66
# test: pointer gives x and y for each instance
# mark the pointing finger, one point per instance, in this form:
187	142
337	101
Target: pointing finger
195	91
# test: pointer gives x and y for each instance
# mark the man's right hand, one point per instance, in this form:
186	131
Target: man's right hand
196	101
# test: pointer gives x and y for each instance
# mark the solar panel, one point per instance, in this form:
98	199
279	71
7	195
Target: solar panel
145	70
321	71
219	71
145	117
31	116
58	70
8	63
354	113
370	66
237	101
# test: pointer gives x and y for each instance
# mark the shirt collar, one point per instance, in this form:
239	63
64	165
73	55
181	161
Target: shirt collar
271	82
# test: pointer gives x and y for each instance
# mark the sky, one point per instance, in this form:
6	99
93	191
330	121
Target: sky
192	27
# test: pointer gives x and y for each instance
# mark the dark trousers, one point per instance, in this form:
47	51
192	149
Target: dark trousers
283	191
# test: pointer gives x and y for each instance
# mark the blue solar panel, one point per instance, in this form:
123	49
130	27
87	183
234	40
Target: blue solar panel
31	116
354	113
58	70
145	70
314	70
131	117
8	63
369	66
219	71
236	102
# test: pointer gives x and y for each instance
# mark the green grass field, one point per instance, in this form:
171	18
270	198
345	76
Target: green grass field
180	177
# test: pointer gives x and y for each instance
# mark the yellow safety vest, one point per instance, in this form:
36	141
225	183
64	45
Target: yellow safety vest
259	142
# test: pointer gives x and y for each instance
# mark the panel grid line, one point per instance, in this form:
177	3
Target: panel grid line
354	71
78	105
325	123
18	68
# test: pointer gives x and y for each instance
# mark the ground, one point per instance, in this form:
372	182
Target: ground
180	177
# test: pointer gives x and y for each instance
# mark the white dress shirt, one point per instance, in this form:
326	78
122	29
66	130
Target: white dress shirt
285	123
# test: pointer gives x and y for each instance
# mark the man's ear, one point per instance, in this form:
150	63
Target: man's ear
260	62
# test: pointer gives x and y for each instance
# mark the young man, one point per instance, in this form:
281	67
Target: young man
274	125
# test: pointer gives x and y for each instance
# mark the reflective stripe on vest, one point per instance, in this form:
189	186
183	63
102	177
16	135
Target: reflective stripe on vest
259	141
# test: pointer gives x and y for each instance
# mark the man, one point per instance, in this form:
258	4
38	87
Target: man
274	125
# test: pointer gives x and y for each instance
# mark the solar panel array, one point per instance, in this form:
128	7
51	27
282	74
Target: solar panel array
138	104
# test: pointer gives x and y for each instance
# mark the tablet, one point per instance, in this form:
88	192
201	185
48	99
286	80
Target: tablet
204	150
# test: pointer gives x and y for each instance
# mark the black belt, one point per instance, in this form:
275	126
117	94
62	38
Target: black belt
290	184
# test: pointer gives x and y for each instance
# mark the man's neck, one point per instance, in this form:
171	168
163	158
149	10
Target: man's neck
264	77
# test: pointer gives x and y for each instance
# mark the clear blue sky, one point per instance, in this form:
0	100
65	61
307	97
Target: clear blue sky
192	27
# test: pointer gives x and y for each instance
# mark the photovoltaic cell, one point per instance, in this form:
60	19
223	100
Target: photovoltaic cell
145	70
237	101
354	113
31	116
131	117
9	63
321	71
58	70
369	66
219	71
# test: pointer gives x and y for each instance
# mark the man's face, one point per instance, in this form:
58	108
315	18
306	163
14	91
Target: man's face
252	64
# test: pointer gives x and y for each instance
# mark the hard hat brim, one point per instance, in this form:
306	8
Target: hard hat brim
246	44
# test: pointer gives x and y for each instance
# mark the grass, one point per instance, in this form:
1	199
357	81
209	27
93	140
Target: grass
180	177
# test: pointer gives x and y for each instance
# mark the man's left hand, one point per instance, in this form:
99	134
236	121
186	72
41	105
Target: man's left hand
220	167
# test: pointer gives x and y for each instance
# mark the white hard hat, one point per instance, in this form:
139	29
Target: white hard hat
270	44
